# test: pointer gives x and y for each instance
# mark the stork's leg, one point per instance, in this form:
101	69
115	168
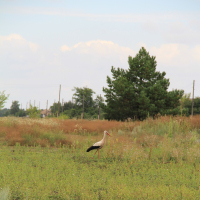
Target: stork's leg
95	152
98	153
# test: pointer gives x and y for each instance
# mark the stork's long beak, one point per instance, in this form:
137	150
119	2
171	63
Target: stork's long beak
109	134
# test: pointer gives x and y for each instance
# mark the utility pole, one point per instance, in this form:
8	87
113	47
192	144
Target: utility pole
83	107
59	102
54	108
193	97
99	107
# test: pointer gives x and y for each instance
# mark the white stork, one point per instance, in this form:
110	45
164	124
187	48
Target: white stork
100	144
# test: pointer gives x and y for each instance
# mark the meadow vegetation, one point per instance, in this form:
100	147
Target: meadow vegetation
150	159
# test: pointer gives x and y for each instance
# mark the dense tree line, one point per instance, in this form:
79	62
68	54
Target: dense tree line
72	110
82	102
136	93
15	110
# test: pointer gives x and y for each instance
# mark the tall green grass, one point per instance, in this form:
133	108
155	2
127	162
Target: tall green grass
153	159
70	173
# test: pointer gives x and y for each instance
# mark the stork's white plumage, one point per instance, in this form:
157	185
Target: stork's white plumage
100	144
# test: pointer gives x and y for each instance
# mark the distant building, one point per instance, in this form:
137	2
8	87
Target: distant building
45	113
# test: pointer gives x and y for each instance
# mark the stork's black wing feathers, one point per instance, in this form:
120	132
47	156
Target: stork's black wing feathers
93	147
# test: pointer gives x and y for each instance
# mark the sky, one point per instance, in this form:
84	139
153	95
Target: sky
48	43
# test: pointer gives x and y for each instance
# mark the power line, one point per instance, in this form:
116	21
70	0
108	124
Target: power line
30	86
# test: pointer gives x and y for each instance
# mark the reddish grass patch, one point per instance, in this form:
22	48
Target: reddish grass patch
195	121
98	126
29	132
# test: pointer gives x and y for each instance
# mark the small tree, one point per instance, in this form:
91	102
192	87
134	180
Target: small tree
88	100
185	100
3	99
78	97
54	109
14	107
197	106
186	105
33	112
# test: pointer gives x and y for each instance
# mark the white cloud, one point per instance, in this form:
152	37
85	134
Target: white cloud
12	37
17	52
17	42
181	64
101	48
34	47
166	53
177	55
65	48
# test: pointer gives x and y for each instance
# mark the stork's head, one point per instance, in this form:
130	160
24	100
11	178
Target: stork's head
106	132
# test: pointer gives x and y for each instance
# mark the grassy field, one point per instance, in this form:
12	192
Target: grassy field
47	159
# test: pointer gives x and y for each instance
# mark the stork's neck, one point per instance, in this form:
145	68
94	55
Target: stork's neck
104	137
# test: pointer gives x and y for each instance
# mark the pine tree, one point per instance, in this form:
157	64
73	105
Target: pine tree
138	91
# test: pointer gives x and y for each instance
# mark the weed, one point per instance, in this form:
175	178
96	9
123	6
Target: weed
4	193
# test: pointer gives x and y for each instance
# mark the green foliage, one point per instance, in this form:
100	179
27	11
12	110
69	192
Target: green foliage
3	99
73	113
74	109
54	109
196	109
140	90
88	100
68	105
13	111
7	112
14	107
63	116
45	139
4	112
33	112
98	101
20	113
170	128
186	105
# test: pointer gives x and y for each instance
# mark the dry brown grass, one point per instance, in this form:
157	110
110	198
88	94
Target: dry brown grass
36	131
53	132
195	121
95	126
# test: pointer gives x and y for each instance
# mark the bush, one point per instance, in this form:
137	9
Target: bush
63	116
33	112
